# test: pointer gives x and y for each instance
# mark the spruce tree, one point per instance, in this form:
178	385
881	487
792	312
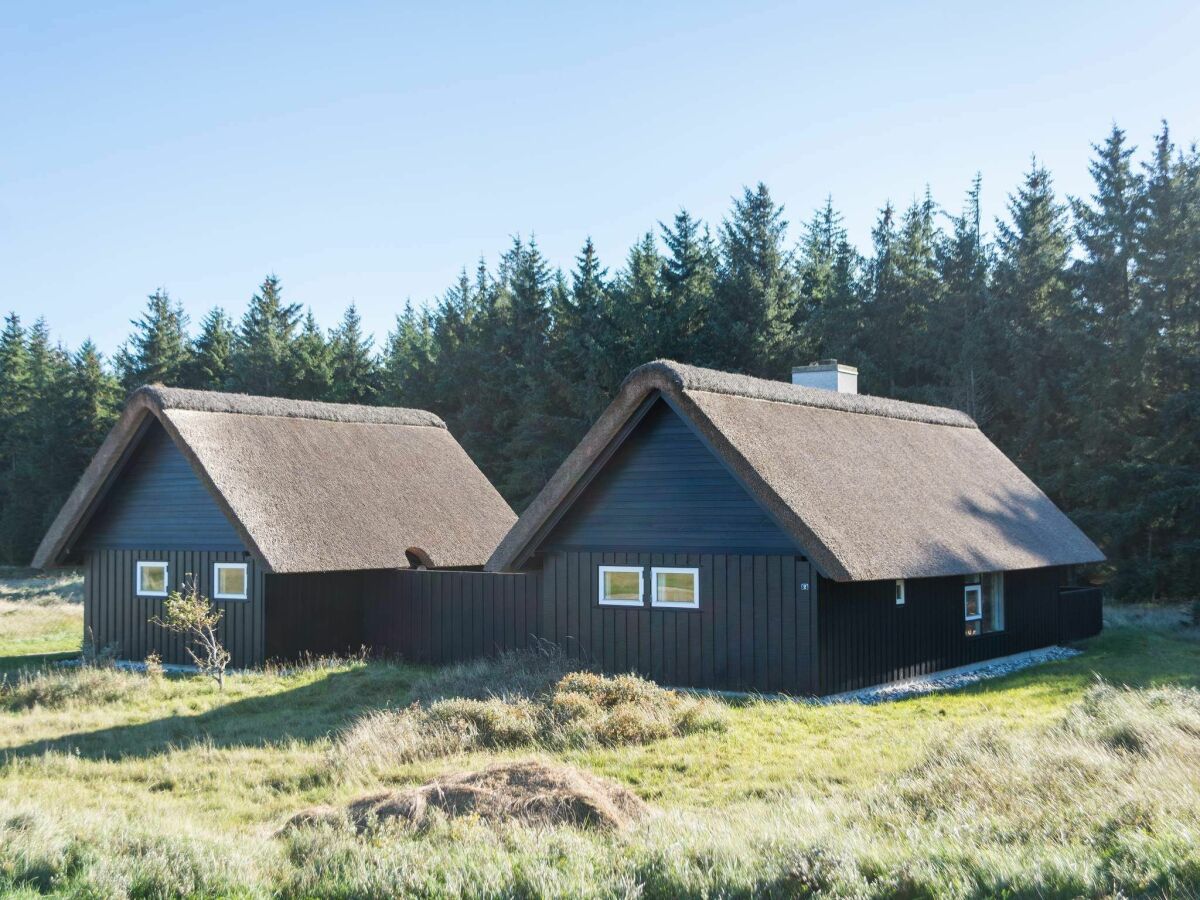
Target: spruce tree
407	359
1043	330
311	363
355	372
583	374
689	277
16	396
1164	504
263	360
209	369
91	400
829	314
905	288
44	474
523	412
757	289
964	327
157	352
641	315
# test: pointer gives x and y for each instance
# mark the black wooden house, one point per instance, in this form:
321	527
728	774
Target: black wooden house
280	509
724	531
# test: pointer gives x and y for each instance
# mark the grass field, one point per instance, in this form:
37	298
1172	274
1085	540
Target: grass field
1045	783
39	615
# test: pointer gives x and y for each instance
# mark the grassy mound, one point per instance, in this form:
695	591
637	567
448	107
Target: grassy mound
59	688
580	709
527	792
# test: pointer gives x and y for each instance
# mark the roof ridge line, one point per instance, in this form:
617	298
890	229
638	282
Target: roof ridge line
686	377
167	399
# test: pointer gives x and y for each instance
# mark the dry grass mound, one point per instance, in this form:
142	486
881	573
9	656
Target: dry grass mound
578	710
527	792
59	688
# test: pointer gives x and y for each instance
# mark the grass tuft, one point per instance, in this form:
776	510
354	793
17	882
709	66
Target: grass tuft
579	710
60	688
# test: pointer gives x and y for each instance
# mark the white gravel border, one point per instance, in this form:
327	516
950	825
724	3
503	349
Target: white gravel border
950	679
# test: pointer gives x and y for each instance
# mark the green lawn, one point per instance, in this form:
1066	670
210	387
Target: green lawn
1024	785
40	615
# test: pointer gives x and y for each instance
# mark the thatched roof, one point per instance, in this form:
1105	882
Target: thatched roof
868	488
310	486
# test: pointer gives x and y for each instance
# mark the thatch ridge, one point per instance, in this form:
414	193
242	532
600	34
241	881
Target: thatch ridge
163	398
695	378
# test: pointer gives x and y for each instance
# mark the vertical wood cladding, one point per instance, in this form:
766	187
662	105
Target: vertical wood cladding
753	630
1082	612
866	639
115	616
664	481
159	502
448	617
319	613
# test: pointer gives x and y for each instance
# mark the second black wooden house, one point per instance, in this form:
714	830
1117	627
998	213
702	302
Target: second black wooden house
723	531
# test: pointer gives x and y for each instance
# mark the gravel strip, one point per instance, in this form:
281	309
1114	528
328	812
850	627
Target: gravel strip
948	681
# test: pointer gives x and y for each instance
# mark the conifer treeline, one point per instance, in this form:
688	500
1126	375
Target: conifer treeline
1072	336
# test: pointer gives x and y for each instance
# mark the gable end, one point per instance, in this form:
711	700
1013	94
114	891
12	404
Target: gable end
156	501
664	489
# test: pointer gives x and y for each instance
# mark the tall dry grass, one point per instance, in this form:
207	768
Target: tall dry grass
521	700
1105	803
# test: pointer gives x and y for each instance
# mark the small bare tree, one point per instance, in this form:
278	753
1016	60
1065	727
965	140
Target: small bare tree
188	612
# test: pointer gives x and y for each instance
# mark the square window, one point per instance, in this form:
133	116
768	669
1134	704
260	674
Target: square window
230	580
621	585
676	588
151	579
983	603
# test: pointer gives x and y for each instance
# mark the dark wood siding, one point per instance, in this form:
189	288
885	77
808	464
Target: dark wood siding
445	617
866	639
114	616
318	613
664	482
158	502
1081	611
753	631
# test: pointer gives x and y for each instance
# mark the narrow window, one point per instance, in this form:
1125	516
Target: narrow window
152	579
621	585
675	588
230	580
899	591
983	603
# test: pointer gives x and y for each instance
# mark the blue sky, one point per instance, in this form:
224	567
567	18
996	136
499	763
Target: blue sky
368	152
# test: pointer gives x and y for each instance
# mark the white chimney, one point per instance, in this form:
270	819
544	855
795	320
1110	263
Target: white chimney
827	375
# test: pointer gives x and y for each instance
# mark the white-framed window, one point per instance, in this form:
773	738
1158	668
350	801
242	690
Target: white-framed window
675	588
621	586
152	579
983	603
230	581
899	591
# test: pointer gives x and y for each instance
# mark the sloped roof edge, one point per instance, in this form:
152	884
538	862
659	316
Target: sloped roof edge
142	403
672	380
468	538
